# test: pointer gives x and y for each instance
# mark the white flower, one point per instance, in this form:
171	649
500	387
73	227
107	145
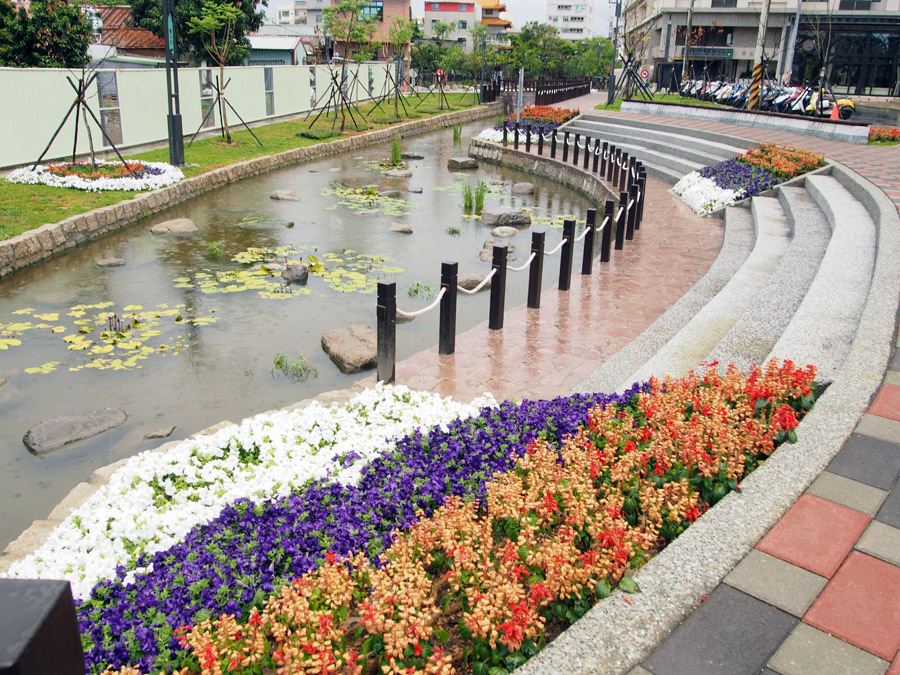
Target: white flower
703	195
41	174
156	498
492	135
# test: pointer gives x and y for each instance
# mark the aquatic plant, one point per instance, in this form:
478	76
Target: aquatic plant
214	249
396	152
296	369
468	197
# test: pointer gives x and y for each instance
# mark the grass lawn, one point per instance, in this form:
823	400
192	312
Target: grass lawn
25	207
663	98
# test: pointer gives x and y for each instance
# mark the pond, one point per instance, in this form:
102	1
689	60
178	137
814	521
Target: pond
201	329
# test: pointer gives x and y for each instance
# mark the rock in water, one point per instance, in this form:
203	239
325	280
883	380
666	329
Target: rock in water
498	217
403	228
397	173
471	281
160	433
523	188
295	274
411	155
57	432
392	194
504	232
352	348
110	262
491	243
176	226
487	255
415	190
455	163
285	196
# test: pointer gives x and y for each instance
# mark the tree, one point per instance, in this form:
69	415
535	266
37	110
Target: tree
349	23
399	35
51	35
148	14
441	30
215	26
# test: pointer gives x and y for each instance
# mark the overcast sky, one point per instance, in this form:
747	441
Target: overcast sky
522	12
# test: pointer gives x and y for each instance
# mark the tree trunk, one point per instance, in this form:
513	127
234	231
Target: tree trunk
224	113
87	127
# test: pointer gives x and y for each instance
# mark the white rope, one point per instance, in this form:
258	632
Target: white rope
605	223
630	204
583	234
558	246
606	154
524	265
479	286
619	213
411	315
638	195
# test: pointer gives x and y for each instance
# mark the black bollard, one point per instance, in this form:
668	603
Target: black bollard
632	211
642	187
553	145
587	153
575	152
505	134
498	288
565	259
621	212
386	313
587	258
527	140
597	154
609	225
536	270
540	142
516	138
623	174
565	147
447	326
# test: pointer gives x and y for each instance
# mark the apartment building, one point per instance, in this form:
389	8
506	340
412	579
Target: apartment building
859	40
384	12
462	15
573	20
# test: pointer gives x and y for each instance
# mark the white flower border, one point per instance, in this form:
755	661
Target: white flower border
200	476
41	174
703	195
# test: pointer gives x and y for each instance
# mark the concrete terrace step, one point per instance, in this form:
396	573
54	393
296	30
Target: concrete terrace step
825	325
736	247
756	332
696	150
699	337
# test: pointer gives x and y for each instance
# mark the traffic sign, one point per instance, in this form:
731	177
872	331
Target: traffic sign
645	74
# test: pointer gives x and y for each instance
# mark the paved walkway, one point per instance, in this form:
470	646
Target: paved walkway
820	593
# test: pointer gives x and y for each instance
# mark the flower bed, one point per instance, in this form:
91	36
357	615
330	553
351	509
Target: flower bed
134	175
539	118
480	584
884	135
156	498
230	565
720	185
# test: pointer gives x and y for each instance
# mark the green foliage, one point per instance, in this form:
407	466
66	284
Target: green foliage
457	133
480	191
214	249
52	34
296	369
216	28
452	230
396	152
468	197
427	291
318	134
148	14
352	26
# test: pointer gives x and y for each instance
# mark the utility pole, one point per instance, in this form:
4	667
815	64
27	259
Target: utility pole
753	101
792	44
685	62
612	72
173	121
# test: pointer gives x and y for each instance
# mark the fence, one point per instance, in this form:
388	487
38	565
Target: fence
618	226
546	91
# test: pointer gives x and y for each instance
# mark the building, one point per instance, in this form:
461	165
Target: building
275	50
464	14
862	55
384	12
497	20
118	44
573	21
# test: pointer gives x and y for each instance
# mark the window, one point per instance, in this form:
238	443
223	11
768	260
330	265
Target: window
269	82
724	3
855	4
462	25
463	7
110	117
207	96
435	6
374	10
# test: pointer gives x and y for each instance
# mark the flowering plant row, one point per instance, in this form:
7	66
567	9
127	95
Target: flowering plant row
231	564
135	175
156	498
482	583
539	118
782	161
884	135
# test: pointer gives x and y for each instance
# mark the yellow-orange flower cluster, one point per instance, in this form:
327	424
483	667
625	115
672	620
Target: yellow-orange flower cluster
783	161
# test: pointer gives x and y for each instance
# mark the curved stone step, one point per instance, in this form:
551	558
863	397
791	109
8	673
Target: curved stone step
736	247
826	322
756	332
697	339
642	126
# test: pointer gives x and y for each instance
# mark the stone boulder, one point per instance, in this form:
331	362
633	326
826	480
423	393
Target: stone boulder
457	163
397	173
111	262
505	218
176	226
295	274
159	433
403	228
415	190
411	155
470	281
487	255
523	188
504	231
392	194
285	196
491	243
263	224
352	348
54	433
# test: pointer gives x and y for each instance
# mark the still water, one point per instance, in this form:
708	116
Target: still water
207	330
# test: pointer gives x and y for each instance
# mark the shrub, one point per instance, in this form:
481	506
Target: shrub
396	152
783	161
887	135
318	134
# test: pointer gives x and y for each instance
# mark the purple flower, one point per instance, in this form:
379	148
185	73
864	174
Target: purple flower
746	179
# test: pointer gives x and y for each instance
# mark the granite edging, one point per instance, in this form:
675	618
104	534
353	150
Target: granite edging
52	239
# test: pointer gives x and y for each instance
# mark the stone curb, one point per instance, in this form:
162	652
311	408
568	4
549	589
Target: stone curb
847	132
615	635
53	239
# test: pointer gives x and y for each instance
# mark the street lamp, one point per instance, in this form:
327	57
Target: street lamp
176	134
612	72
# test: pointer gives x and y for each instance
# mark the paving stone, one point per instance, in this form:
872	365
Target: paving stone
869	460
731	633
777	582
892	377
849	493
887	402
881	541
895	361
860	605
889	513
808	650
879	427
815	534
639	670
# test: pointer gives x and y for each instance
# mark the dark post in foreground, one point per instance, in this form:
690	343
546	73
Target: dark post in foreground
536	270
565	258
447	326
386	313
587	259
498	288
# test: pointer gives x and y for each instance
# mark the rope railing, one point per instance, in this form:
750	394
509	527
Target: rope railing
556	248
523	266
420	312
473	291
